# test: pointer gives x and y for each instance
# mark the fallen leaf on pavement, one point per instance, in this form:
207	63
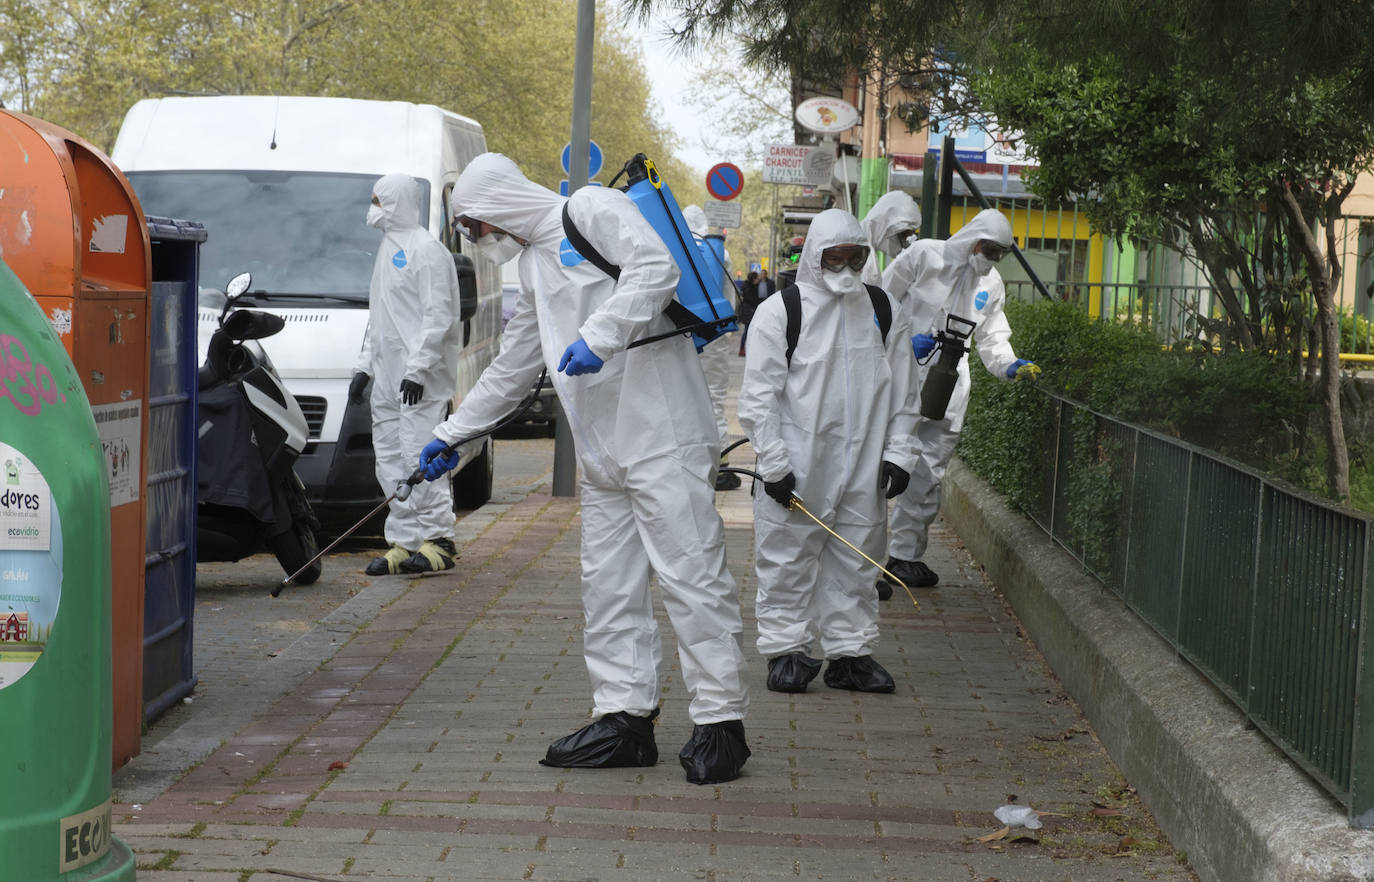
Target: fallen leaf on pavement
1106	812
337	764
1000	834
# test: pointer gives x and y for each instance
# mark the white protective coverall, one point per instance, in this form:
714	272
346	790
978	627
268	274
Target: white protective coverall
933	279
715	358
844	407
413	333
894	212
646	443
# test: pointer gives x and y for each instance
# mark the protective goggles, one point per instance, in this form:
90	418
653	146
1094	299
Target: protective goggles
840	256
469	227
993	251
906	237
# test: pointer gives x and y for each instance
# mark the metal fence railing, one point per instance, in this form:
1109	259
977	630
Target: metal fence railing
1264	589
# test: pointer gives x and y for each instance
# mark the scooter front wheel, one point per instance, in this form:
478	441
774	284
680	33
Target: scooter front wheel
294	549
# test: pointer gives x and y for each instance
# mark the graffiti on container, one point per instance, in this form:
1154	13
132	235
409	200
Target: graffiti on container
27	385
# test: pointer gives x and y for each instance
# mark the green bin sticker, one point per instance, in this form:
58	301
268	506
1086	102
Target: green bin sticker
30	564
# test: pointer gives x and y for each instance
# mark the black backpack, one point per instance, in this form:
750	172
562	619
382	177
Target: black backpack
791	301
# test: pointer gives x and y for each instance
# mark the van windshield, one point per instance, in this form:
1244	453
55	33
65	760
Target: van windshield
301	234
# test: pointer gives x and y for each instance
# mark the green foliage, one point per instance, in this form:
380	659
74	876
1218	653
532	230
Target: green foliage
1357	334
1244	404
506	64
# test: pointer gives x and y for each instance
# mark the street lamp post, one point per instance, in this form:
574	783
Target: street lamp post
564	452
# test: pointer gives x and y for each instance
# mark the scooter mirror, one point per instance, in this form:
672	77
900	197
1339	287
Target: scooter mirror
250	324
237	285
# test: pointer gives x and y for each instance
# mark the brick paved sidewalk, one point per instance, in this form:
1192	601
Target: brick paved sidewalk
442	704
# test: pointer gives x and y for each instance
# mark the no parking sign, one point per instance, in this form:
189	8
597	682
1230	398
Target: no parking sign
724	181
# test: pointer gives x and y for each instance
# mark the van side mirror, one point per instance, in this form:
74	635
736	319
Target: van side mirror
467	286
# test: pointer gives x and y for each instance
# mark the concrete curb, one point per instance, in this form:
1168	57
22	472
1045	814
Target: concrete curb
1221	791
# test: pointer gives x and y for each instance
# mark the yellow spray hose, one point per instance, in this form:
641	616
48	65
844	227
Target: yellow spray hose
795	504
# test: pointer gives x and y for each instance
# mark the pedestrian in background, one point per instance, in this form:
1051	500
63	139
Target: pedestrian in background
748	302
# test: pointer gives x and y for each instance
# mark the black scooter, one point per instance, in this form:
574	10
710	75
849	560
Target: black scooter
248	495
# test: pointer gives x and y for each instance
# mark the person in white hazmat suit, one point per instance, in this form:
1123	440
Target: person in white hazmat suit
932	280
890	225
646	446
715	357
410	354
836	426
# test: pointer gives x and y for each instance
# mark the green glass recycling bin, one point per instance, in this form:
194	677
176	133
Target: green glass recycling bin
55	679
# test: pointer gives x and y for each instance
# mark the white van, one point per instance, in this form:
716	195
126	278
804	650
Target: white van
282	185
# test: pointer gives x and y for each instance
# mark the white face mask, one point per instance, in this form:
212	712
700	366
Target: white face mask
374	216
981	264
498	247
846	281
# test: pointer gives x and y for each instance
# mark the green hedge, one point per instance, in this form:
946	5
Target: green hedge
1242	404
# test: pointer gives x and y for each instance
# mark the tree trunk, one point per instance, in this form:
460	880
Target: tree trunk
1329	337
1221	283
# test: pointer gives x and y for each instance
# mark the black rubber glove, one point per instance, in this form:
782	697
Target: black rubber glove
781	489
411	392
894	478
356	387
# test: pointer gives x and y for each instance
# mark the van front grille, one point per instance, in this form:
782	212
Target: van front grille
313	406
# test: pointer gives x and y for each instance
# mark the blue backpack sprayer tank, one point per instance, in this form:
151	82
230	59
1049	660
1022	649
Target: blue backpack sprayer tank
699	306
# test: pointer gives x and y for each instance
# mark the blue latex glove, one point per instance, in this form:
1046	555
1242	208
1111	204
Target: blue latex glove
432	461
922	345
579	359
1022	368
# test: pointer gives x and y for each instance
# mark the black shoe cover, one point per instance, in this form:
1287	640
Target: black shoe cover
791	672
615	741
860	673
884	589
727	481
913	572
715	753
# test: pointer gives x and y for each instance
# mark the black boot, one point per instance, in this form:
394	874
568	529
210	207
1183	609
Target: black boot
914	573
860	674
884	589
792	671
615	741
715	753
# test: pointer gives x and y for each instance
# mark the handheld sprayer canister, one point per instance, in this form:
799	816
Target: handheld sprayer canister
699	290
937	386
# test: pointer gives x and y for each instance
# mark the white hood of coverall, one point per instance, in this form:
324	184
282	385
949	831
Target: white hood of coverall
894	212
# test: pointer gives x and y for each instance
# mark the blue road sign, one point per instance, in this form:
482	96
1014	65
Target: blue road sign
724	181
563	186
593	159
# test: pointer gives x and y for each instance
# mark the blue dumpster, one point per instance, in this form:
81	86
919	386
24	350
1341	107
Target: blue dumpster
170	578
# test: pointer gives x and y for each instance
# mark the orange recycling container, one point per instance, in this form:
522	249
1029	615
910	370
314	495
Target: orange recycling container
71	228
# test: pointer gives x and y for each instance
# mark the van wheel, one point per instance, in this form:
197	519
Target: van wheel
472	485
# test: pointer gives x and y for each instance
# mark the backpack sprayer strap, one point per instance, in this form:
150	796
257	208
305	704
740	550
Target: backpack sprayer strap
791	301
